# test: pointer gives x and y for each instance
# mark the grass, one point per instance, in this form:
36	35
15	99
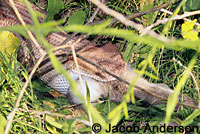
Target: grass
39	97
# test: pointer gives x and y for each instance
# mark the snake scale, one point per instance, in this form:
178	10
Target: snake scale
98	81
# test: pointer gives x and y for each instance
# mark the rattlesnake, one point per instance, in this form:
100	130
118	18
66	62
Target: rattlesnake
99	82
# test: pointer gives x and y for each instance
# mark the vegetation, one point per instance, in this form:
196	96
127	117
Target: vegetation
174	61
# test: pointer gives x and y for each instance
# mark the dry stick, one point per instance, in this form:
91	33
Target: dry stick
78	69
102	68
179	103
177	114
169	12
12	114
177	17
128	22
94	14
134	15
65	43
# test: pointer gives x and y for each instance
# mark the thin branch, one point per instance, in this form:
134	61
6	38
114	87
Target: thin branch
94	14
177	17
169	12
135	15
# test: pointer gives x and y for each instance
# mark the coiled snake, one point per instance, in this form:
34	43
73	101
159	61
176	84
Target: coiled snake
98	81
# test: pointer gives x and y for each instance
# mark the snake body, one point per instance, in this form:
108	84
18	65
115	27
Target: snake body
98	81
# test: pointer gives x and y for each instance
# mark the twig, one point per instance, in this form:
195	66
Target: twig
138	14
94	14
177	17
134	15
169	12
